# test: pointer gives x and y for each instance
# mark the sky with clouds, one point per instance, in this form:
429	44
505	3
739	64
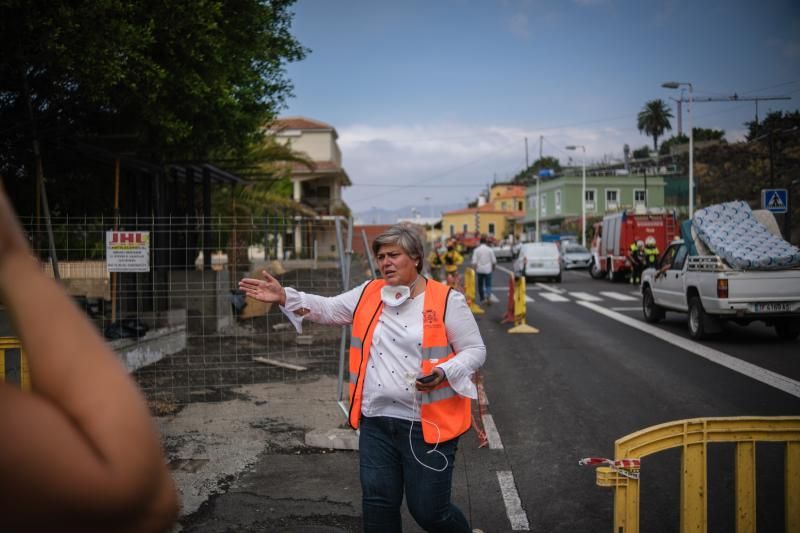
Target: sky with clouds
433	99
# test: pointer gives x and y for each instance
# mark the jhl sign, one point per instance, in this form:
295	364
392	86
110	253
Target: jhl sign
128	251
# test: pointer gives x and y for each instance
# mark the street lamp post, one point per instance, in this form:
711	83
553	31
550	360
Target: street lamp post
677	85
583	190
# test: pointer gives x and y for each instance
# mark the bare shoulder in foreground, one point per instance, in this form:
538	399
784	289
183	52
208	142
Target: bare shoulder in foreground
79	452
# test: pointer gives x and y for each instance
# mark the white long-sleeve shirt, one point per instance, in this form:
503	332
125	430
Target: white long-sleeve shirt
396	350
483	259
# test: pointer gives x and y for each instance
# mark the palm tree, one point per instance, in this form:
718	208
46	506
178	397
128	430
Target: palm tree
653	120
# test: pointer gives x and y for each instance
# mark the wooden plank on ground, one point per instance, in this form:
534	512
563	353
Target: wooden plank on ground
279	363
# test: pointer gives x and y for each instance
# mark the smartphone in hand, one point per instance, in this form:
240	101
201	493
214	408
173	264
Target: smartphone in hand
428	378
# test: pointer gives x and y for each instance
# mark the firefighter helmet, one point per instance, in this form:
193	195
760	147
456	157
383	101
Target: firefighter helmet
650	241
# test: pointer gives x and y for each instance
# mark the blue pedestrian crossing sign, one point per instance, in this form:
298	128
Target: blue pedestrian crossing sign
774	200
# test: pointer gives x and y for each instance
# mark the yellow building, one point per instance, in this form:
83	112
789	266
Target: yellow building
486	220
508	197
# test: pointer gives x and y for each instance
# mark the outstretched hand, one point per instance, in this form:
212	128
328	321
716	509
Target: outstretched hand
268	290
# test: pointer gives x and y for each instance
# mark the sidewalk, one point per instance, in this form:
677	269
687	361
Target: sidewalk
243	465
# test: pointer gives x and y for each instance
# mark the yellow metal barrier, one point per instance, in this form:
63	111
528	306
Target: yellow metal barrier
521	309
693	437
13	363
469	291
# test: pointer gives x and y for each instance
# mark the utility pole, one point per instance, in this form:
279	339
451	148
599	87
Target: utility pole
526	154
538	198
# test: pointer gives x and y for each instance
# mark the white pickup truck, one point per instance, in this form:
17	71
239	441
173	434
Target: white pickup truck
710	291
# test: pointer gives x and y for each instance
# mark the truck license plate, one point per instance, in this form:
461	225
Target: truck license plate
773	307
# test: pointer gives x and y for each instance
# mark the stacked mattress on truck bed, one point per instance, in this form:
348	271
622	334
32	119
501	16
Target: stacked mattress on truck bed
731	231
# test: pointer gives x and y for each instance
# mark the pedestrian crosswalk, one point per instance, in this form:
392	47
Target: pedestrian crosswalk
558	295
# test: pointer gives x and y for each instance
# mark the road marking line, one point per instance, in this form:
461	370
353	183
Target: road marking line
492	435
549	288
626	308
554	297
528	299
750	370
586	296
504	269
517	516
618	296
637	294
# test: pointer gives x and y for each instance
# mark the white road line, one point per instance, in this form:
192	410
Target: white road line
516	514
586	296
553	297
763	375
549	288
492	435
626	308
528	299
618	296
638	294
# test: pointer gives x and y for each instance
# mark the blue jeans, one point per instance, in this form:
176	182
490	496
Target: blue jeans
388	468
484	286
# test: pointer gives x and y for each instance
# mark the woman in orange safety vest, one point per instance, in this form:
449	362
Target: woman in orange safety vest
413	350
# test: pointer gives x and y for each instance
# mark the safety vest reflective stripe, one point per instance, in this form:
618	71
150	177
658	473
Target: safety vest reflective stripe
438	395
355	342
436	352
353	378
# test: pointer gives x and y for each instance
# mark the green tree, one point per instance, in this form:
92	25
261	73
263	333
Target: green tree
529	174
641	153
699	135
653	120
163	81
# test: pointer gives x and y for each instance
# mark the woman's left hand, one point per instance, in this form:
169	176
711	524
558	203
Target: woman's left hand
429	386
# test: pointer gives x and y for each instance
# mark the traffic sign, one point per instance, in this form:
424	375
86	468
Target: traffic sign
546	173
774	200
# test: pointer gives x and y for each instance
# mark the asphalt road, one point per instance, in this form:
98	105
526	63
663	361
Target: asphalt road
589	378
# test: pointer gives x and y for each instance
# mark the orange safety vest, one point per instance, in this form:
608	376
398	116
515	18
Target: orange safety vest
442	406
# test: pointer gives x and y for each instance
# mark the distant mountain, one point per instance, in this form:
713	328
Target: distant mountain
390	216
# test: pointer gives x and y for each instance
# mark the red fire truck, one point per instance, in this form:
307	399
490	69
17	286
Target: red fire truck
613	237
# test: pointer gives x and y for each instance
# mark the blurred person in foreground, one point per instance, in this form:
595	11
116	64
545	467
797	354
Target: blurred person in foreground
79	451
414	348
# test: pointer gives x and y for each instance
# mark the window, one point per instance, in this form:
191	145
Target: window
590	195
464	228
680	258
558	201
544	203
639	198
612	199
503	205
452	230
532	201
520	205
491	228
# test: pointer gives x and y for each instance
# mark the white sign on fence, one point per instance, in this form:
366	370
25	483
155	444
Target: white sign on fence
128	251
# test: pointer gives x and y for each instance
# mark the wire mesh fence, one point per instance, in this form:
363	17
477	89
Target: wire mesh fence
163	291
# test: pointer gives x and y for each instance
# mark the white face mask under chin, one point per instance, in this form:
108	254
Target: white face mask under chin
395	295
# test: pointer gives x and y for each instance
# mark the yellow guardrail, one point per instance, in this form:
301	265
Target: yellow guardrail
13	363
469	291
693	436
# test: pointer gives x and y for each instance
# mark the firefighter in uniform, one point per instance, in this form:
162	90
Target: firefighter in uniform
636	256
650	252
436	262
451	261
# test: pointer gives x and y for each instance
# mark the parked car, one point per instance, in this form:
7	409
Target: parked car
540	260
576	256
503	252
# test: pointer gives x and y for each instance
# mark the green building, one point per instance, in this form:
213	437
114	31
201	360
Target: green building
560	202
